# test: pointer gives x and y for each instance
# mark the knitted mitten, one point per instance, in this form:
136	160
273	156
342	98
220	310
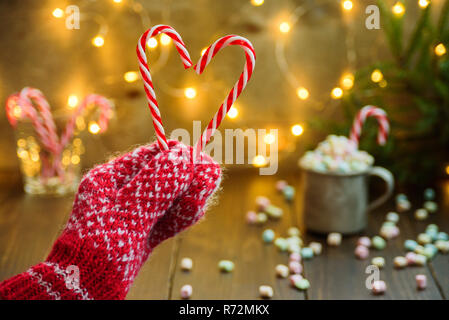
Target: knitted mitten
122	210
189	208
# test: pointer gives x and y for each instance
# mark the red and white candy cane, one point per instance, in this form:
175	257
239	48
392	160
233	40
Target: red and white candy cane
44	124
382	119
36	96
235	91
145	71
92	99
28	110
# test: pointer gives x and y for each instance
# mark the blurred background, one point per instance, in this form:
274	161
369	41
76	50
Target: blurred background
317	65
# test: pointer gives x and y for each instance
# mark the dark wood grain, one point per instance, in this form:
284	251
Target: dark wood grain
402	283
153	281
337	274
225	235
29	225
440	265
440	270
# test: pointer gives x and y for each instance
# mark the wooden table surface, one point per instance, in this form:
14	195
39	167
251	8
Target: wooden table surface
29	225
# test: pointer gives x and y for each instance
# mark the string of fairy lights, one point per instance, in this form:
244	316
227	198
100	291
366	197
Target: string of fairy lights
346	81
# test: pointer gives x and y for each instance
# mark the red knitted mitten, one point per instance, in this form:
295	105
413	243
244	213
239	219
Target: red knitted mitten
122	210
189	208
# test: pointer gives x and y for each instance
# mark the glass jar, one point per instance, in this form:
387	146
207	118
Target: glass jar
46	173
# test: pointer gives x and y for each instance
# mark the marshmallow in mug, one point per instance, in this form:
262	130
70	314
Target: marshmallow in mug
336	154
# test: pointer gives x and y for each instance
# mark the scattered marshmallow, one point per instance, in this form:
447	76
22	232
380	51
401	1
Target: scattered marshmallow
378	262
334	239
379	287
296	240
282	271
389	232
378	243
421	214
302	284
400	262
433	233
273	211
388	224
293	232
186	264
392	216
295	267
294	278
410	245
429	194
289	193
262	218
306	253
361	252
403	205
401	197
430	206
295	256
251	217
442	246
186	291
442	236
266	292
268	236
364	241
262	203
424	238
430	250
226	265
419	249
280	185
421	281
293	247
316	247
281	244
420	260
411	258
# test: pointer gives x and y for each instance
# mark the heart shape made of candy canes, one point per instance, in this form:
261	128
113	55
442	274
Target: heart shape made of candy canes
204	60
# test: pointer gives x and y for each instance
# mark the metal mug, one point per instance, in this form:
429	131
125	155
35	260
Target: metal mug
339	202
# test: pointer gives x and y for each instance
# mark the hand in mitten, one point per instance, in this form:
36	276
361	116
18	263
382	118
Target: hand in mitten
123	209
187	209
190	207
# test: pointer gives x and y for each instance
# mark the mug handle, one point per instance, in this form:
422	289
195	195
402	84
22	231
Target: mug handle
386	176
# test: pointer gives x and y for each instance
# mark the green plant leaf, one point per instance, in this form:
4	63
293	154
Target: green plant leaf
442	21
417	35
